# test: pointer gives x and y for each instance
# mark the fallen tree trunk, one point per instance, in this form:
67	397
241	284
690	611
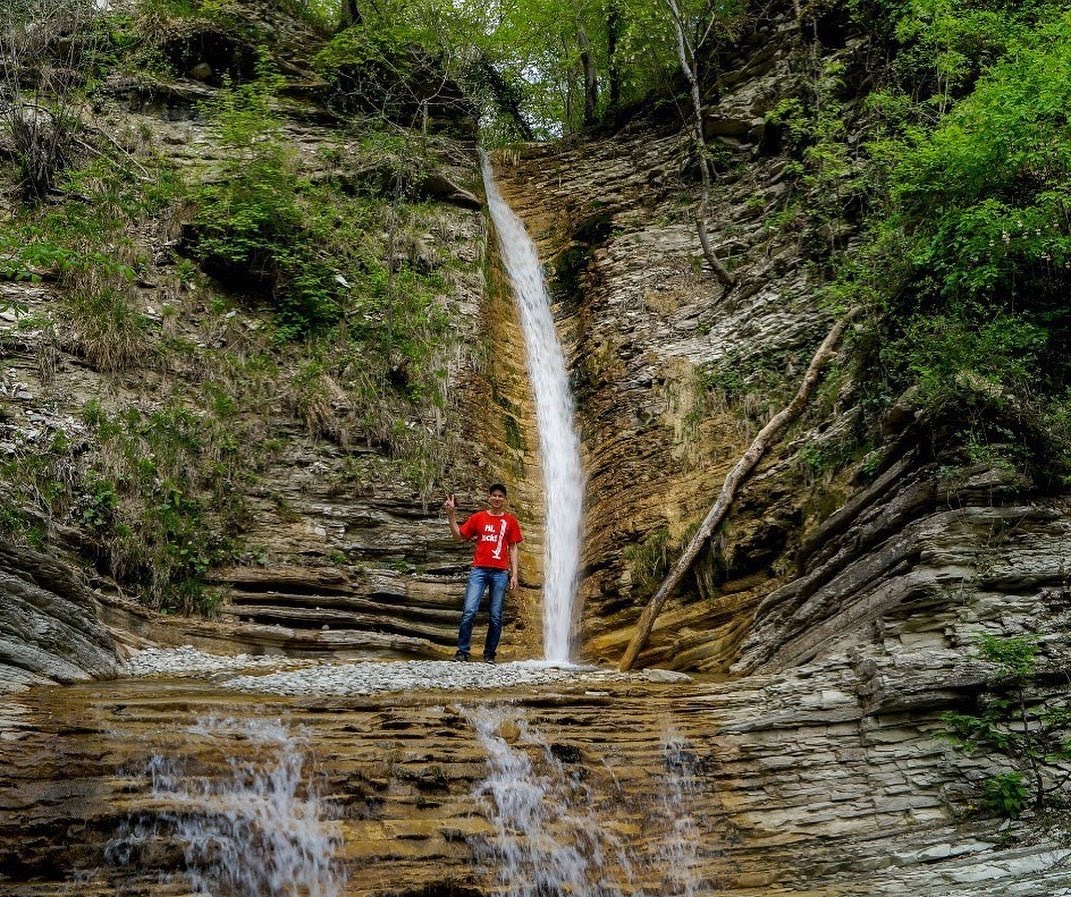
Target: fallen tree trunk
729	488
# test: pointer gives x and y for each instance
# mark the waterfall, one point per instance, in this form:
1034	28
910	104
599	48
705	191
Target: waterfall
547	840
559	447
252	826
548	835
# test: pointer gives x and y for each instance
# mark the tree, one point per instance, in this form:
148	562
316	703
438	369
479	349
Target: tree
351	15
689	43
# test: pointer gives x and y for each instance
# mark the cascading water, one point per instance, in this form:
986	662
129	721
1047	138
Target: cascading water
559	447
256	829
547	841
678	853
548	838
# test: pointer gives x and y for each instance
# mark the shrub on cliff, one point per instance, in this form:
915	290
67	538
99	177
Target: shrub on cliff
1018	725
968	259
249	231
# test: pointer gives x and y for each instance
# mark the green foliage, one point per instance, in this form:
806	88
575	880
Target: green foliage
522	63
649	560
953	359
1015	658
37	477
160	498
51	53
947	44
751	386
360	310
323	14
1011	720
250	224
1006	794
966	261
813	131
86	246
18	527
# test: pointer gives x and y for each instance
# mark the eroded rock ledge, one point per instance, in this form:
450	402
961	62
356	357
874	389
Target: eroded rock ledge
788	784
49	631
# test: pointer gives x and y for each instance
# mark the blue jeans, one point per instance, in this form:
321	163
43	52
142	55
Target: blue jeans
480	579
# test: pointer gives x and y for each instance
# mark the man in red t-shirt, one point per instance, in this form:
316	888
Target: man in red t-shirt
494	565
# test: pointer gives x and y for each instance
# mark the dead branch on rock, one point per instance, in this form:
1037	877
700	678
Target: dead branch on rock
686	53
731	486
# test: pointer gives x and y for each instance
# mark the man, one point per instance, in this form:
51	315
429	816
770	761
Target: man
494	565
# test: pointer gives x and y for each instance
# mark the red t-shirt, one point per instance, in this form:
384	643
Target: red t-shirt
493	535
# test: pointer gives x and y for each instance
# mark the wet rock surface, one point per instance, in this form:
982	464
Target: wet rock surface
789	785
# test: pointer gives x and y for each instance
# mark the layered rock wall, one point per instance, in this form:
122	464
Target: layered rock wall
786	784
49	628
905	548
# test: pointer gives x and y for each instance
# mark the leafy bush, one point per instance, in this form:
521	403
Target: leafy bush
967	257
1006	794
1017	724
250	224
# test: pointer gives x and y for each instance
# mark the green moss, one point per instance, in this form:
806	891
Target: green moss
514	438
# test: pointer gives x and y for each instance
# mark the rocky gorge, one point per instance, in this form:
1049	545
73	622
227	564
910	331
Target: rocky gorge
825	632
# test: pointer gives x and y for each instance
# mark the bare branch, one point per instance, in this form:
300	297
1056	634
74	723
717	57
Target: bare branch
731	486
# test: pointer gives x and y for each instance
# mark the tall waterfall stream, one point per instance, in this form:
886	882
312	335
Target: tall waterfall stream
559	447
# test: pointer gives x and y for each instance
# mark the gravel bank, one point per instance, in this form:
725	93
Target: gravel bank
284	676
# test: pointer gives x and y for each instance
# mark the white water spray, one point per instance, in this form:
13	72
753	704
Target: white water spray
253	828
549	836
546	840
559	447
678	855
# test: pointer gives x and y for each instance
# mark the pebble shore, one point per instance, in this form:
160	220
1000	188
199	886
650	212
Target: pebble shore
285	676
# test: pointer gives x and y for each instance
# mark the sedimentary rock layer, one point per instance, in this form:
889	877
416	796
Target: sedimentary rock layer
798	784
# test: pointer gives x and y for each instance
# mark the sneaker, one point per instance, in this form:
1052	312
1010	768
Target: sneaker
487	659
461	656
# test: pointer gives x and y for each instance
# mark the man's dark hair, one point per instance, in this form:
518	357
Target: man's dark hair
497	487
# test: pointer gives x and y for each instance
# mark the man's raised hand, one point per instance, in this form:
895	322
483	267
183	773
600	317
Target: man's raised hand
450	505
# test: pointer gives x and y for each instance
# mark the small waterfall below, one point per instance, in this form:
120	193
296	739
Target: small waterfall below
547	841
550	835
249	825
559	447
678	853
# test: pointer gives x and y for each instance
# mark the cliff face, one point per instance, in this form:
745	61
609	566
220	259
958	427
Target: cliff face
341	549
49	627
903	547
836	613
305	475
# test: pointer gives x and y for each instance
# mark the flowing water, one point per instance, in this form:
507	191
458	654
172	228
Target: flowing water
549	833
251	825
559	447
678	854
